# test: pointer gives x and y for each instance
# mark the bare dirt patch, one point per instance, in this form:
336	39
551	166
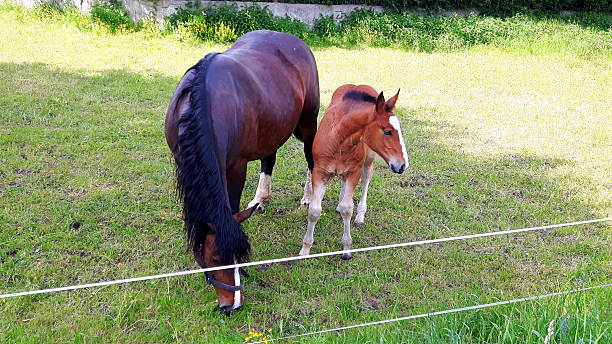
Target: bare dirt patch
368	304
420	180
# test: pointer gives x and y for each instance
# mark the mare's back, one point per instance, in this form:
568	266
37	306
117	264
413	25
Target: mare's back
265	45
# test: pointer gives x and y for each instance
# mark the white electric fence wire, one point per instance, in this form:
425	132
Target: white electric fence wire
289	259
426	315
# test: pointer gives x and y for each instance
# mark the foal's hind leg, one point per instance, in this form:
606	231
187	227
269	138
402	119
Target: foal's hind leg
264	188
366	176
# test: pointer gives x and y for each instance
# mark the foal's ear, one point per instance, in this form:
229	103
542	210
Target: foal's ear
245	214
380	103
390	105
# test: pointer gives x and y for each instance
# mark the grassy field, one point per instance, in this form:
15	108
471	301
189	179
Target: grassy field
498	137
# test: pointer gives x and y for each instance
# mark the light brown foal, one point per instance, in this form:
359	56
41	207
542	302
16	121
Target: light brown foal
357	125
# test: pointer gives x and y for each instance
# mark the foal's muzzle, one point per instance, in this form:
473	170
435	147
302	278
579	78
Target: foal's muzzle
398	168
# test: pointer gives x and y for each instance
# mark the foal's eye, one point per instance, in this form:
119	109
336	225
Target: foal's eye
387	132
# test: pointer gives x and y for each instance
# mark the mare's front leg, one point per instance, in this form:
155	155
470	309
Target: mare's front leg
264	188
345	209
307	191
235	177
319	184
366	177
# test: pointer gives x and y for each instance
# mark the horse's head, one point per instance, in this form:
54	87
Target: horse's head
227	282
384	135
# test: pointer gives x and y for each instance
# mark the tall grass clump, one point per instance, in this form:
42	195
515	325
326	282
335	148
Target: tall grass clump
577	318
54	11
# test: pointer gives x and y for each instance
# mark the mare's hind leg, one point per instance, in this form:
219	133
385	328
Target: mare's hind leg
345	209
366	176
264	188
306	131
319	183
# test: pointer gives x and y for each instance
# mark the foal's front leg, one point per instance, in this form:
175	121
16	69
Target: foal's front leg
345	208
366	177
319	184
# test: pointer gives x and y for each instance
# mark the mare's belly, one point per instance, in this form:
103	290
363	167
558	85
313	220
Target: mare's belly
270	135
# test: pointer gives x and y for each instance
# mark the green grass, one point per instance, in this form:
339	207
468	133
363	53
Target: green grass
499	137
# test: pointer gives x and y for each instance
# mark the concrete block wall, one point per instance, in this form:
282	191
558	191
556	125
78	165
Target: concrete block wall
158	9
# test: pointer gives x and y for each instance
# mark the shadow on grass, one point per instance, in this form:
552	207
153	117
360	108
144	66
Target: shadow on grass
85	169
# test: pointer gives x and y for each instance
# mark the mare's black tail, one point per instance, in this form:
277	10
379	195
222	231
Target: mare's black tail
199	179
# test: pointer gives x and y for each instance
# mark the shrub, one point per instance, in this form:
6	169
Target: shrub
226	23
113	16
499	7
585	34
326	27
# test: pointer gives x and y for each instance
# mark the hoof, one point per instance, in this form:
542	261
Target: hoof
260	207
304	252
359	222
227	310
347	256
304	202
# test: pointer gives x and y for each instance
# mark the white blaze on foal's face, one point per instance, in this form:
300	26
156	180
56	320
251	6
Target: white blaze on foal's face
394	121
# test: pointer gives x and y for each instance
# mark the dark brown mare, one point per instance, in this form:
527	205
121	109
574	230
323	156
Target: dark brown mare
229	109
358	125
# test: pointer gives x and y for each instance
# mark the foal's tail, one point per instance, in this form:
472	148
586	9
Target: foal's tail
199	180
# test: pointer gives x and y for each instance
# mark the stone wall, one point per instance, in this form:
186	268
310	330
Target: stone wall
306	13
158	9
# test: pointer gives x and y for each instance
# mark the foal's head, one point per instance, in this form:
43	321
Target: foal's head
384	135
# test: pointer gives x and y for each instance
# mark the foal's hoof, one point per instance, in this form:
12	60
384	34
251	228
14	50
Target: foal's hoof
347	256
304	202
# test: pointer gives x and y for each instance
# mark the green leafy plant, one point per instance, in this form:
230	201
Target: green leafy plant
112	15
326	27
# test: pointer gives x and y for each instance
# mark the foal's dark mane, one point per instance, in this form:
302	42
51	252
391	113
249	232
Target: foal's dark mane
359	96
199	180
